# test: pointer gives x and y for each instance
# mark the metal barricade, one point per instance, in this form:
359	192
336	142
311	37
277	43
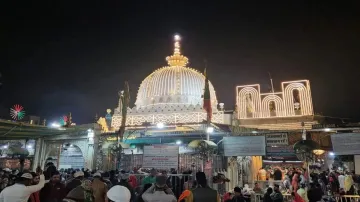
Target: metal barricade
259	197
347	198
264	184
186	162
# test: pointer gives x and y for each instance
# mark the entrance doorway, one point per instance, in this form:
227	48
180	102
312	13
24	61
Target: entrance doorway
71	157
66	156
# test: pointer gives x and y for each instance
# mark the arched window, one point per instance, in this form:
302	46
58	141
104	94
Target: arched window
249	106
297	103
272	108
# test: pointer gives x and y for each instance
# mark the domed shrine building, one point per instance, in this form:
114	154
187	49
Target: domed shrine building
168	110
171	95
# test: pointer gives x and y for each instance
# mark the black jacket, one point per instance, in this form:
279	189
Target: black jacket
314	194
72	185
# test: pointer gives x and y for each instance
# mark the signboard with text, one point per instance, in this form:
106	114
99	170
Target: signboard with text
276	139
341	125
161	157
244	146
346	143
285	150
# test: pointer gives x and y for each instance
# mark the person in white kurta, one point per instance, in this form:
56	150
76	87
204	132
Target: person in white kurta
20	191
341	179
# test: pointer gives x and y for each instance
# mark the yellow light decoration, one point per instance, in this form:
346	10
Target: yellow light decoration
103	124
111	139
304	93
279	105
171	95
170	118
242	100
284	100
177	59
173	85
318	152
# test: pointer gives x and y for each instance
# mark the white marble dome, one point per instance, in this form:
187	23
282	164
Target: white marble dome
175	84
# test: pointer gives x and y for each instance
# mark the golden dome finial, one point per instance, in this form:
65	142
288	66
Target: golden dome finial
177	45
177	59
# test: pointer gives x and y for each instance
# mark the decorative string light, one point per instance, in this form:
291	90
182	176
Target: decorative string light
170	118
243	101
175	84
249	95
304	93
177	59
171	95
279	105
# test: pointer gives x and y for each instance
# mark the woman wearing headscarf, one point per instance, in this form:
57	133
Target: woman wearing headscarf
81	193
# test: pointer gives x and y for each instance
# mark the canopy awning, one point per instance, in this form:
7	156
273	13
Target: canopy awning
19	130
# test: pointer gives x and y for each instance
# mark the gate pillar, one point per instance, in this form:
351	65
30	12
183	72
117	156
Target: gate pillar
39	145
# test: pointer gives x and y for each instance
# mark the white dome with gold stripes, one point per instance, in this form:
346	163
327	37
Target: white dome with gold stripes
174	85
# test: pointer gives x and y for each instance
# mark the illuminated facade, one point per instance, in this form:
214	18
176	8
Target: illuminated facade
170	95
293	101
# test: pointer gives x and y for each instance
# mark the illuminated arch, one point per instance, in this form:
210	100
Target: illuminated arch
255	95
305	99
279	105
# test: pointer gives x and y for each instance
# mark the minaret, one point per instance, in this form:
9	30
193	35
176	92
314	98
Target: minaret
121	94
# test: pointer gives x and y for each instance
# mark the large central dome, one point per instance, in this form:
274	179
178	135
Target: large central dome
175	84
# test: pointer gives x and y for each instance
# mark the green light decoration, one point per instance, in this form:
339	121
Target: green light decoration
17	112
63	120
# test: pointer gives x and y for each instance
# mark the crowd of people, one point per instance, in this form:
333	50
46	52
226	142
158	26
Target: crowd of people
69	185
52	185
304	187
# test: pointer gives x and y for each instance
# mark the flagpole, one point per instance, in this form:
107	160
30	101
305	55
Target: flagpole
207	117
272	85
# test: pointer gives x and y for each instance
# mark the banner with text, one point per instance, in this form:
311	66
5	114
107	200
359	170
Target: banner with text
161	157
276	139
346	143
244	146
282	150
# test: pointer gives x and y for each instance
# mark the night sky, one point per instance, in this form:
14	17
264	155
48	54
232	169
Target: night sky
74	56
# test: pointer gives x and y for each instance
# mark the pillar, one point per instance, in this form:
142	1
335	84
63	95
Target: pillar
95	150
232	174
90	157
39	144
42	159
256	164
